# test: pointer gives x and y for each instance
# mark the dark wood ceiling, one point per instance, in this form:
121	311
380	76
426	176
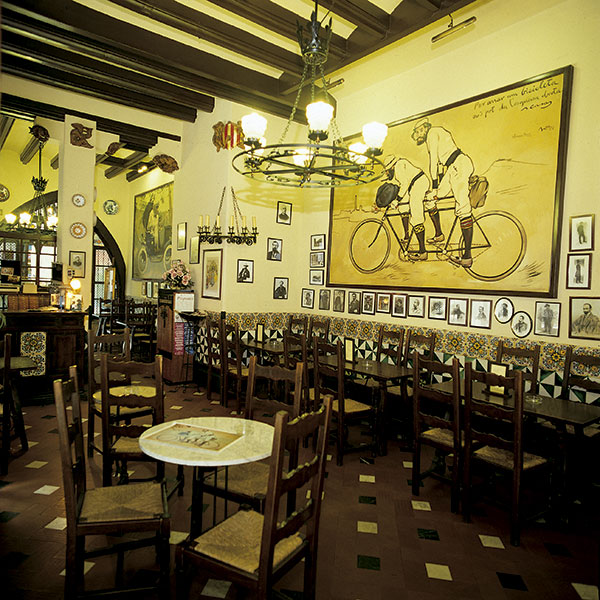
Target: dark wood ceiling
143	53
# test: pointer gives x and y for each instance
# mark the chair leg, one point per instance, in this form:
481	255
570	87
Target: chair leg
340	442
164	561
91	414
455	494
182	584
106	470
416	468
310	576
515	513
466	495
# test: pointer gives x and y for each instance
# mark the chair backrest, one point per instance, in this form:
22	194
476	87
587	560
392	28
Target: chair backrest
517	355
133	399
418	342
295	351
214	341
70	436
297	324
390	344
504	413
329	379
232	349
116	318
435	408
577	368
318	327
116	345
7	354
273	375
311	472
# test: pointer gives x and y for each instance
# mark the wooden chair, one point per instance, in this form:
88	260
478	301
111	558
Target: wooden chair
297	325
436	421
235	371
498	427
295	351
520	356
214	343
318	327
136	508
247	483
418	342
331	380
254	551
390	345
140	319
120	439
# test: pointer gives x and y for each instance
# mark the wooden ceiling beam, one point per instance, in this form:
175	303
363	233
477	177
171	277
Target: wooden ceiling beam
6	124
135	173
132	159
362	14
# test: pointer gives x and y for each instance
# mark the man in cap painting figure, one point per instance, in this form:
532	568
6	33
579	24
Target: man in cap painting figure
450	169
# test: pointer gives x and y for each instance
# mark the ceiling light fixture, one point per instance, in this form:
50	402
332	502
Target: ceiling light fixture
311	164
452	28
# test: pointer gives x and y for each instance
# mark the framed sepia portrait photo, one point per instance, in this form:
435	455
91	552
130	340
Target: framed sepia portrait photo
280	288
317	259
521	324
547	318
503	310
324	299
368	303
383	303
458	309
316	277
579	271
581	233
317	241
354	302
77	262
284	213
481	314
181	236
398	305
245	271
308	298
438	307
274	248
584	318
339	300
416	306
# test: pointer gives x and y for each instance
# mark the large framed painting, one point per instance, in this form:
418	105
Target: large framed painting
471	200
152	244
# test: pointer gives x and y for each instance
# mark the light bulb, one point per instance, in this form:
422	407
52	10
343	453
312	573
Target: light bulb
10	218
254	126
24	218
52	221
302	157
319	115
374	134
361	148
75	284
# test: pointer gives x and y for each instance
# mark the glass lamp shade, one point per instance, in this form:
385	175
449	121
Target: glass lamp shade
260	149
10	218
319	114
302	157
52	221
361	148
75	284
24	218
254	126
374	134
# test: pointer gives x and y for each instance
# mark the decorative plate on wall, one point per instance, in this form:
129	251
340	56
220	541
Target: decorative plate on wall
4	193
111	207
78	199
78	230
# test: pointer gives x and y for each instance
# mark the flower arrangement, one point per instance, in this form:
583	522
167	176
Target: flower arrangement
178	277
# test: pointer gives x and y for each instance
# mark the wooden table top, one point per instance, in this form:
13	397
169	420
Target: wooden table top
270	346
370	368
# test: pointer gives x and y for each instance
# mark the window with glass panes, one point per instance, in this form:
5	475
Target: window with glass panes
35	253
102	262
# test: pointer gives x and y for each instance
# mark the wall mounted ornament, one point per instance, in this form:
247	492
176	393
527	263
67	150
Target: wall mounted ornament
165	163
228	135
80	134
78	230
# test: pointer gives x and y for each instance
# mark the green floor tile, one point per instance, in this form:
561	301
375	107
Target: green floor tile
368	562
428	534
367	500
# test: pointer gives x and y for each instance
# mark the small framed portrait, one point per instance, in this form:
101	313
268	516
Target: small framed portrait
354	301
308	298
547	318
280	288
383	303
457	311
181	235
398	305
316	277
438	307
584	318
579	271
581	233
521	324
317	241
481	314
324	299
194	250
144	289
155	289
503	310
274	248
339	300
368	303
416	306
77	263
284	213
212	261
317	259
245	271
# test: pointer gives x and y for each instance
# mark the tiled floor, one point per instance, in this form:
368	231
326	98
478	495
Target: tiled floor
376	542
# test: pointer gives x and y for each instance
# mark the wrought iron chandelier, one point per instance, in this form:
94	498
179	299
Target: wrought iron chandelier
313	164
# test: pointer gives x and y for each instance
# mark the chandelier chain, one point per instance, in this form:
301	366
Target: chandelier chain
295	107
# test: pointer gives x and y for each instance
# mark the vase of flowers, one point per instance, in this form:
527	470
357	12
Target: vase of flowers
178	277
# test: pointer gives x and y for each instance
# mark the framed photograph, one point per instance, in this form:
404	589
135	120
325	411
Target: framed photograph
212	261
497	368
547	318
438	306
181	235
77	263
457	311
317	259
368	303
339	300
398	305
481	313
416	306
384	303
579	271
280	288
316	277
584	319
284	213
324	299
144	289
503	310
245	271
194	250
317	241
308	298
521	324
581	233
354	303
155	289
274	248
